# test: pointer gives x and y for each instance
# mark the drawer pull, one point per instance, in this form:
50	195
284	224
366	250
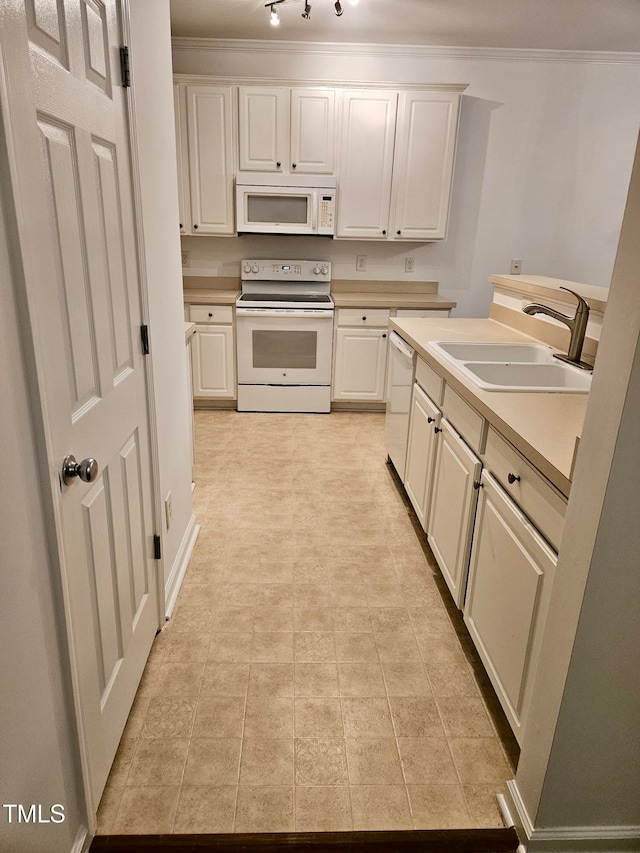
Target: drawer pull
437	430
430	420
364	319
513	478
478	485
385	335
210	314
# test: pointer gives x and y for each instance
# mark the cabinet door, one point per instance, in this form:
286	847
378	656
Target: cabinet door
182	157
421	448
423	164
510	579
453	505
360	363
263	128
211	164
212	362
366	161
313	127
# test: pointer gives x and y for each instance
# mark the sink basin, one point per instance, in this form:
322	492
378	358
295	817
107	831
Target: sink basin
528	377
485	351
513	367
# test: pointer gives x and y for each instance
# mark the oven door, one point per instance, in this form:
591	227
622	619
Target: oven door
282	347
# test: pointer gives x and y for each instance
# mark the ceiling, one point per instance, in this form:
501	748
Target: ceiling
594	25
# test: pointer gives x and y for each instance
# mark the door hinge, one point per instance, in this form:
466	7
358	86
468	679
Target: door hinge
144	335
157	550
124	67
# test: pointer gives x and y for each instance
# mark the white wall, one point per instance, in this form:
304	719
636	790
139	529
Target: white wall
39	760
543	163
153	98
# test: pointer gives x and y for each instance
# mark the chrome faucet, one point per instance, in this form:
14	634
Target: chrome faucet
577	325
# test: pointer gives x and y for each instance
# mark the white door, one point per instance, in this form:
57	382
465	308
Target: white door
211	163
421	449
360	364
453	507
64	112
313	128
366	163
212	360
263	128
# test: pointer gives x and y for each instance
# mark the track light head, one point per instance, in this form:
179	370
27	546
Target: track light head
274	18
338	8
307	11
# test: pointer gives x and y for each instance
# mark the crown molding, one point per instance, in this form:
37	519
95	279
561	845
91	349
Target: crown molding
296	48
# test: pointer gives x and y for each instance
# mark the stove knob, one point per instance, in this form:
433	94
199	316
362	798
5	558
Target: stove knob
255	268
246	268
324	270
316	270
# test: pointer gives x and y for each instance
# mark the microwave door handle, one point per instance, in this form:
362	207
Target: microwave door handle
314	211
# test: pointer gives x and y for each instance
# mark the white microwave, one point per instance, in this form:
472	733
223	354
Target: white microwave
285	204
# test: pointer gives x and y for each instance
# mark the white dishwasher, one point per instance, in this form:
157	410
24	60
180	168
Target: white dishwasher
399	386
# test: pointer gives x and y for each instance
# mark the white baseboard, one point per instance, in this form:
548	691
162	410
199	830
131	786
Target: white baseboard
566	839
174	581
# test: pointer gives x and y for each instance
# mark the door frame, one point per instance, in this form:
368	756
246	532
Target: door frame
27	267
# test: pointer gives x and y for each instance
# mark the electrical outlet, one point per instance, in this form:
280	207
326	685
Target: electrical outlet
409	264
168	509
185	259
516	266
361	263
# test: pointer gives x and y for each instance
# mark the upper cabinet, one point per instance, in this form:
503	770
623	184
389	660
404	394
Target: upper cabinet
211	158
182	160
287	130
396	164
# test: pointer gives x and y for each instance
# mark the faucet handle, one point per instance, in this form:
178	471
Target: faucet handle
583	305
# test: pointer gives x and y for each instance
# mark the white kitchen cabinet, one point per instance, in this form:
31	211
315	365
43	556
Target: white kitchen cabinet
396	164
211	159
453	505
360	354
213	352
423	165
421	451
366	163
287	130
182	161
510	579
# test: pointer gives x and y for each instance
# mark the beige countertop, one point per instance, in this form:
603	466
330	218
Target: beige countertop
542	426
391	299
210	296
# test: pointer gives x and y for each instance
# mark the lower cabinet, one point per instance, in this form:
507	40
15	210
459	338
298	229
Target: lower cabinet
213	353
510	579
421	450
360	363
453	506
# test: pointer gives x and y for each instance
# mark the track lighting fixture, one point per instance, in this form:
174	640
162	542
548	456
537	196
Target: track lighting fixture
275	20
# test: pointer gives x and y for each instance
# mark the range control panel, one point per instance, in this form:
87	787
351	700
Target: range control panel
269	270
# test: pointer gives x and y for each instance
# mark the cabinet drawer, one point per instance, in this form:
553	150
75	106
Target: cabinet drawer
537	498
211	313
423	312
363	316
471	426
429	381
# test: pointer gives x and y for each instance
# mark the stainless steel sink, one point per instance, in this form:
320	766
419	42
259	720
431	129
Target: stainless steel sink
513	366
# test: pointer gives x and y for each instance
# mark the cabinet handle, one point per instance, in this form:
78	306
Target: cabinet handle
398	232
513	478
430	420
478	485
437	430
195	226
293	165
278	164
210	314
385	335
384	232
181	225
364	319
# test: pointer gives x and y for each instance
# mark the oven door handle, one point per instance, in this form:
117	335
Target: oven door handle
283	313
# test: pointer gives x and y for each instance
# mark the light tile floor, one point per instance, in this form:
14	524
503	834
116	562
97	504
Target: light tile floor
315	675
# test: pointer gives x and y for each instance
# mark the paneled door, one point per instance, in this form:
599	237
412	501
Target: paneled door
65	123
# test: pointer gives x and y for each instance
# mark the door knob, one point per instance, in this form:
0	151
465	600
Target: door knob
87	470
